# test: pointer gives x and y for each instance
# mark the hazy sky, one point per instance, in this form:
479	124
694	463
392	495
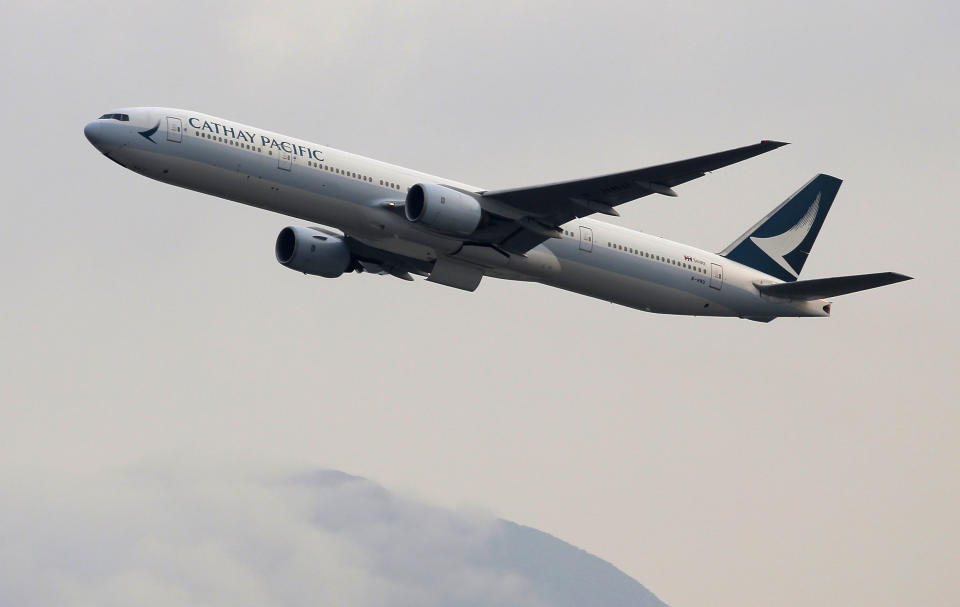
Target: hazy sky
156	535
718	461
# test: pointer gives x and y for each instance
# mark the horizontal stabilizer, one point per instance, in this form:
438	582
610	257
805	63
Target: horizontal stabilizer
822	288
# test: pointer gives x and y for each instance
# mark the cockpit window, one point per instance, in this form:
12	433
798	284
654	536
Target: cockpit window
120	117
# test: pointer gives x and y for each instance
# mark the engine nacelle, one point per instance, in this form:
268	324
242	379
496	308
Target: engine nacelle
314	252
443	209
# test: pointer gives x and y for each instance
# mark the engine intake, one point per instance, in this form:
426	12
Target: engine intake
443	209
311	251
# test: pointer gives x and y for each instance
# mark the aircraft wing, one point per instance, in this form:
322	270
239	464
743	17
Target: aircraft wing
538	210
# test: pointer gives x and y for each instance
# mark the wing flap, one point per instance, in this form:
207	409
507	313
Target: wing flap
822	288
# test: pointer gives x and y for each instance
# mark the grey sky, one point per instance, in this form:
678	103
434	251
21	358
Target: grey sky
719	462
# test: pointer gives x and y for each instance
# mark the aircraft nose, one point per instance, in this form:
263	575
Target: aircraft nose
106	136
92	132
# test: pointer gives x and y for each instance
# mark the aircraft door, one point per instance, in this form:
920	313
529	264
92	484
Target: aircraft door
716	276
284	161
174	129
586	239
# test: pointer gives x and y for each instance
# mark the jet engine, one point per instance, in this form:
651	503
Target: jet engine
443	209
312	251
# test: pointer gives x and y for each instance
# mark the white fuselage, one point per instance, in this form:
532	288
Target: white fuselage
320	184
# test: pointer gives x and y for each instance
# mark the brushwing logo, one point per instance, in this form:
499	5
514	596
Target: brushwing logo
148	134
778	247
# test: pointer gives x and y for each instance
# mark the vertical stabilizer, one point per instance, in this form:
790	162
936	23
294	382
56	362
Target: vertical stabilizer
780	242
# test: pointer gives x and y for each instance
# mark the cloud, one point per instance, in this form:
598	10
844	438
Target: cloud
158	536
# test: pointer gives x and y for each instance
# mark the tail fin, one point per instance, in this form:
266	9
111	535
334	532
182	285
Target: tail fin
780	242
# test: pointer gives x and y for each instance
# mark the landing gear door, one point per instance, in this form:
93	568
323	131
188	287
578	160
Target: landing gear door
284	161
716	276
174	129
586	239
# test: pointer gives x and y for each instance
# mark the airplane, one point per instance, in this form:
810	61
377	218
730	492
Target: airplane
384	219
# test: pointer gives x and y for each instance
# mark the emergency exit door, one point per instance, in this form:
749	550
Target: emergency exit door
586	239
716	276
284	161
174	129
